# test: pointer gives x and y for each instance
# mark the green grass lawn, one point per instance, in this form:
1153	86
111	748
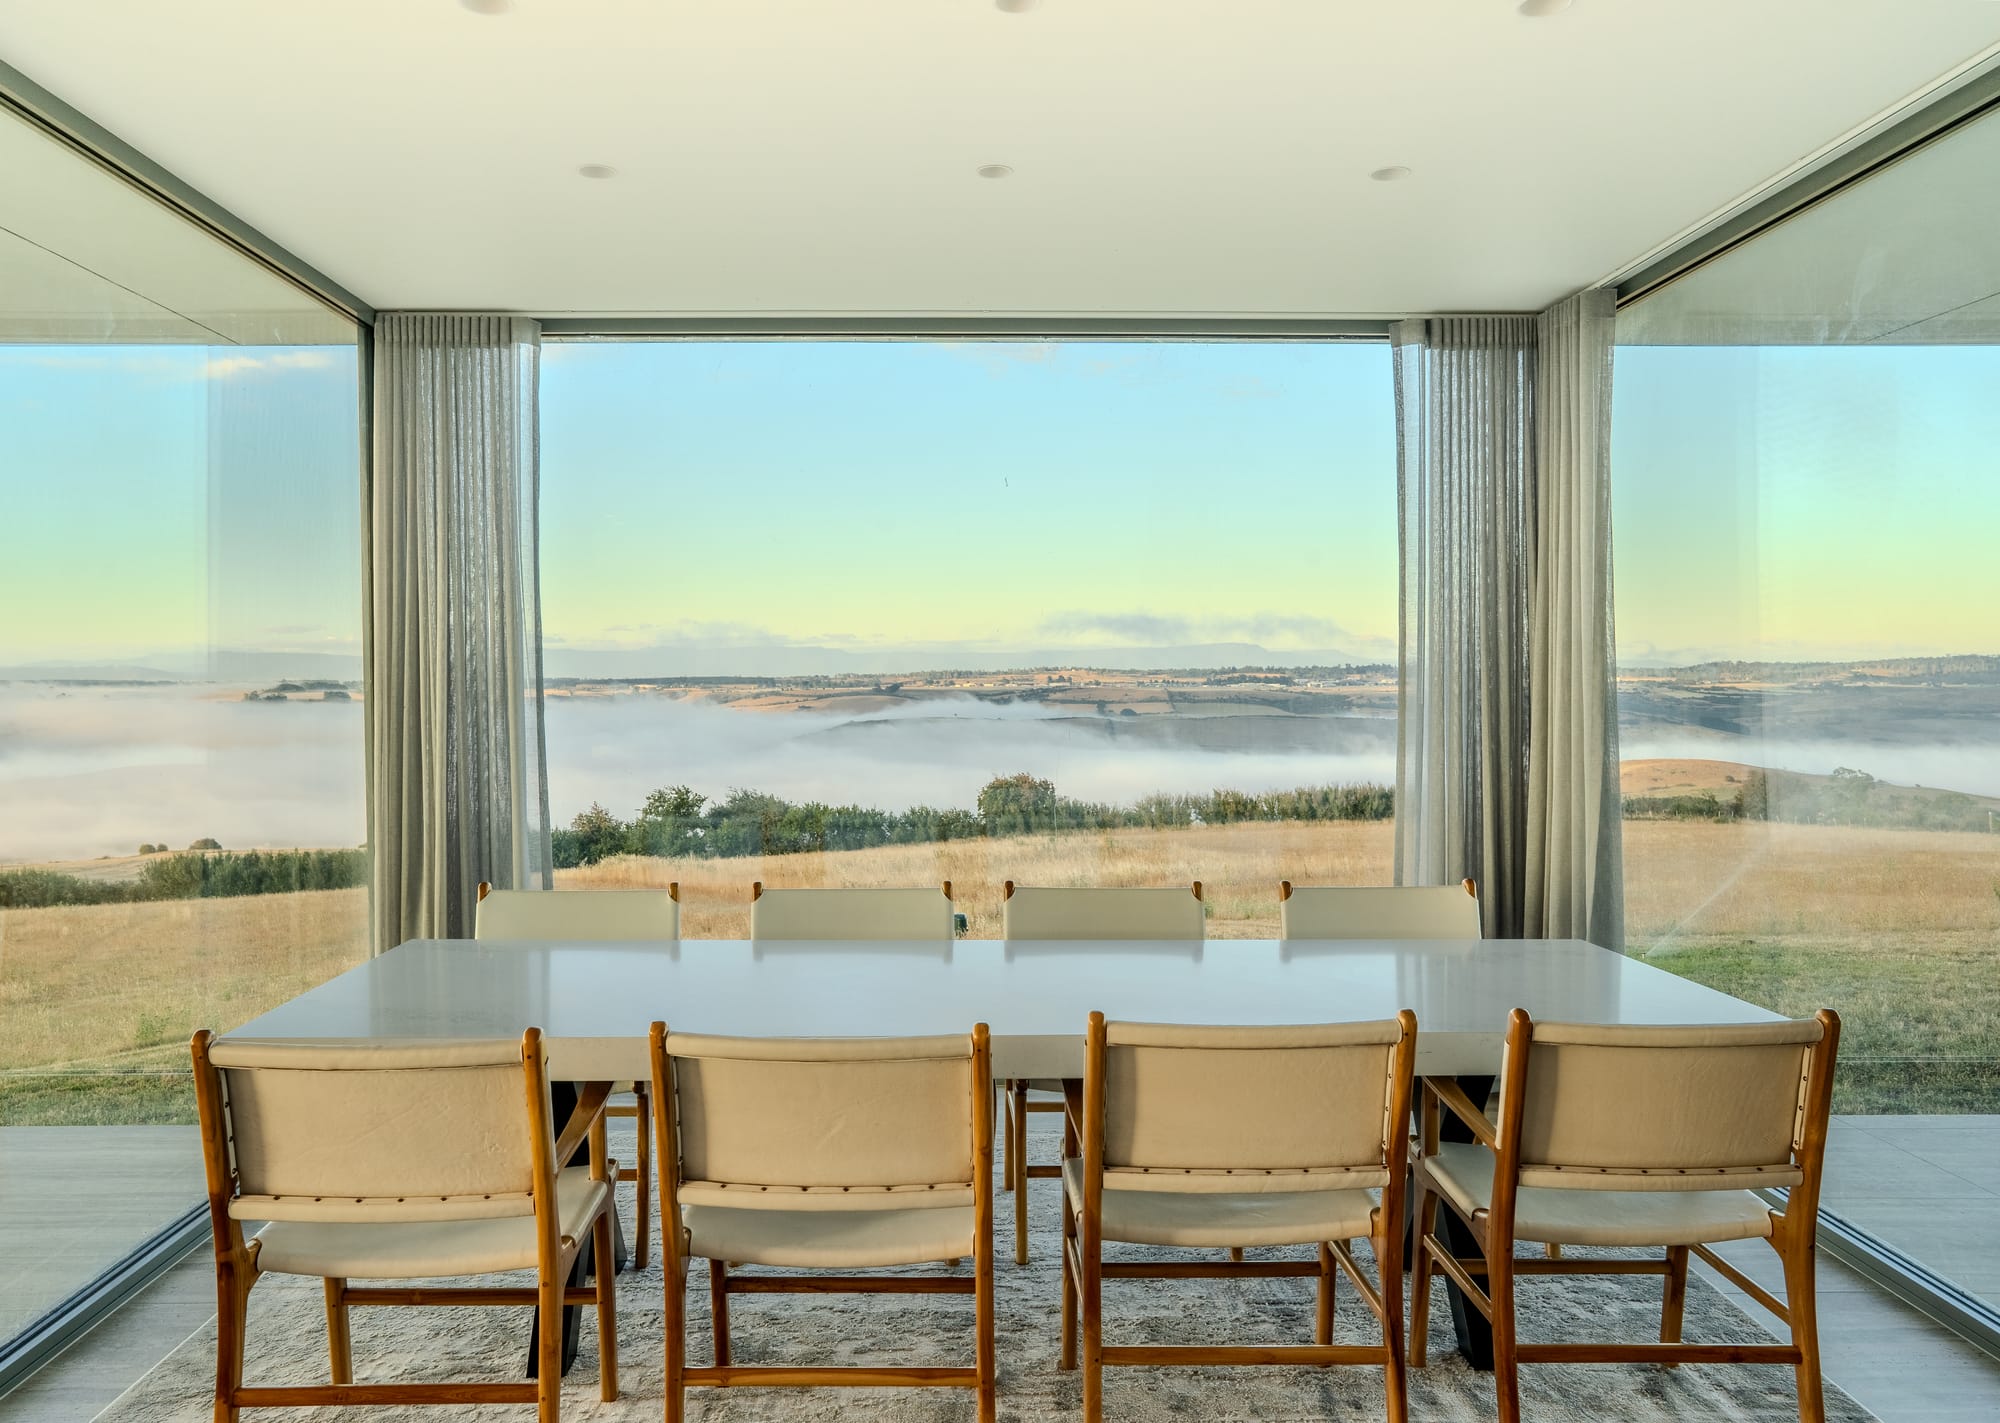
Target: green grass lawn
1920	1018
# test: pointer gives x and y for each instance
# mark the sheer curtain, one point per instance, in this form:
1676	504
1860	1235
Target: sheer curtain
1465	449
1507	752
1575	867
457	766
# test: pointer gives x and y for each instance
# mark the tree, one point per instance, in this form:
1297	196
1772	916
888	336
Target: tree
1014	805
597	833
673	803
205	843
1753	798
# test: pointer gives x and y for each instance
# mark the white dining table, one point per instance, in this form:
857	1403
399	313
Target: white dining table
595	1001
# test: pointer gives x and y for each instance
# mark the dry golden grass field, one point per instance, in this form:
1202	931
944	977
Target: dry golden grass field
1898	929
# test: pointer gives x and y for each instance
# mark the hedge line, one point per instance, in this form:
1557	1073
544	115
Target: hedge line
680	823
191	876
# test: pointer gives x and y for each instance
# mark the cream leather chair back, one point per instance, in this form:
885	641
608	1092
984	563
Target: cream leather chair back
899	914
1379	912
824	1123
1663	1109
387	1132
611	915
1203	1109
1029	913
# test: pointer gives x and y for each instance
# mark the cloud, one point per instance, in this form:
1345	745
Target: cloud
1120	627
187	364
306	359
1000	359
1276	630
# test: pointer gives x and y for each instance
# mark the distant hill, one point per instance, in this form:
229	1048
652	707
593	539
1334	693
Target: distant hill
1964	669
220	665
1731	790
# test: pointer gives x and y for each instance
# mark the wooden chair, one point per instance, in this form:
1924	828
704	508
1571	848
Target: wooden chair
648	916
1635	1136
403	1161
1203	1137
904	915
834	1154
1124	914
1379	912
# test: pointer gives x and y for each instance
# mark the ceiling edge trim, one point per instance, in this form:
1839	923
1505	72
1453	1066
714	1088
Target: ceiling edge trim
1973	92
91	140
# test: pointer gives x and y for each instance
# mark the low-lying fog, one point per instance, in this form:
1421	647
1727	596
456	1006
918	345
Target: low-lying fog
96	770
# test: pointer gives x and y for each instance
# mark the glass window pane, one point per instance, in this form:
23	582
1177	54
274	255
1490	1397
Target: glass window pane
180	723
895	613
1808	502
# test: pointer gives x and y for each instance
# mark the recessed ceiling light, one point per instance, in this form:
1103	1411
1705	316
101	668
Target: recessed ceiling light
1537	9
488	7
1015	7
1390	175
597	170
995	170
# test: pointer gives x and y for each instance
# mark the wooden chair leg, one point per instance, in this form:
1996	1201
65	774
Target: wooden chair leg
1007	1135
1090	1289
1675	1298
674	1326
1323	1322
1389	1267
642	1225
1236	1254
1803	1305
231	1315
718	1309
549	1346
339	1350
1506	1363
984	1307
605	1268
1067	1358
1018	1122
1420	1277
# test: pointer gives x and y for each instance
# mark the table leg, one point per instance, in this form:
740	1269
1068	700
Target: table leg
572	1315
562	1102
1475	1335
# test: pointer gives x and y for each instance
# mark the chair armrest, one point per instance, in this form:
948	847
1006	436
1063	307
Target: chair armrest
588	1113
1448	1092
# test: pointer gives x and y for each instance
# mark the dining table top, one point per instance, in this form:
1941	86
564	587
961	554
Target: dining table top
594	1001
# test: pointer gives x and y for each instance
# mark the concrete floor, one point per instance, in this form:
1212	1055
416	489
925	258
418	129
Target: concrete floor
1929	1186
74	1201
1900	1365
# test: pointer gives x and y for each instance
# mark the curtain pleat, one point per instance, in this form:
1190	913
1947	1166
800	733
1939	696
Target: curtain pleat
1465	419
1507	743
1575	869
458	775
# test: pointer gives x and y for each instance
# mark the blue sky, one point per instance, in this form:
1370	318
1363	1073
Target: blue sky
170	498
972	498
980	497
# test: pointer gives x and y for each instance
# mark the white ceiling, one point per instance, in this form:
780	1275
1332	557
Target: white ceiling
812	156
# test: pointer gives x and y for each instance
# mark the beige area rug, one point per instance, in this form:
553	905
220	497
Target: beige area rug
287	1345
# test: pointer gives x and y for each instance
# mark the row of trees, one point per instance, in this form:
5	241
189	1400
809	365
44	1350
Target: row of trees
192	876
678	822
